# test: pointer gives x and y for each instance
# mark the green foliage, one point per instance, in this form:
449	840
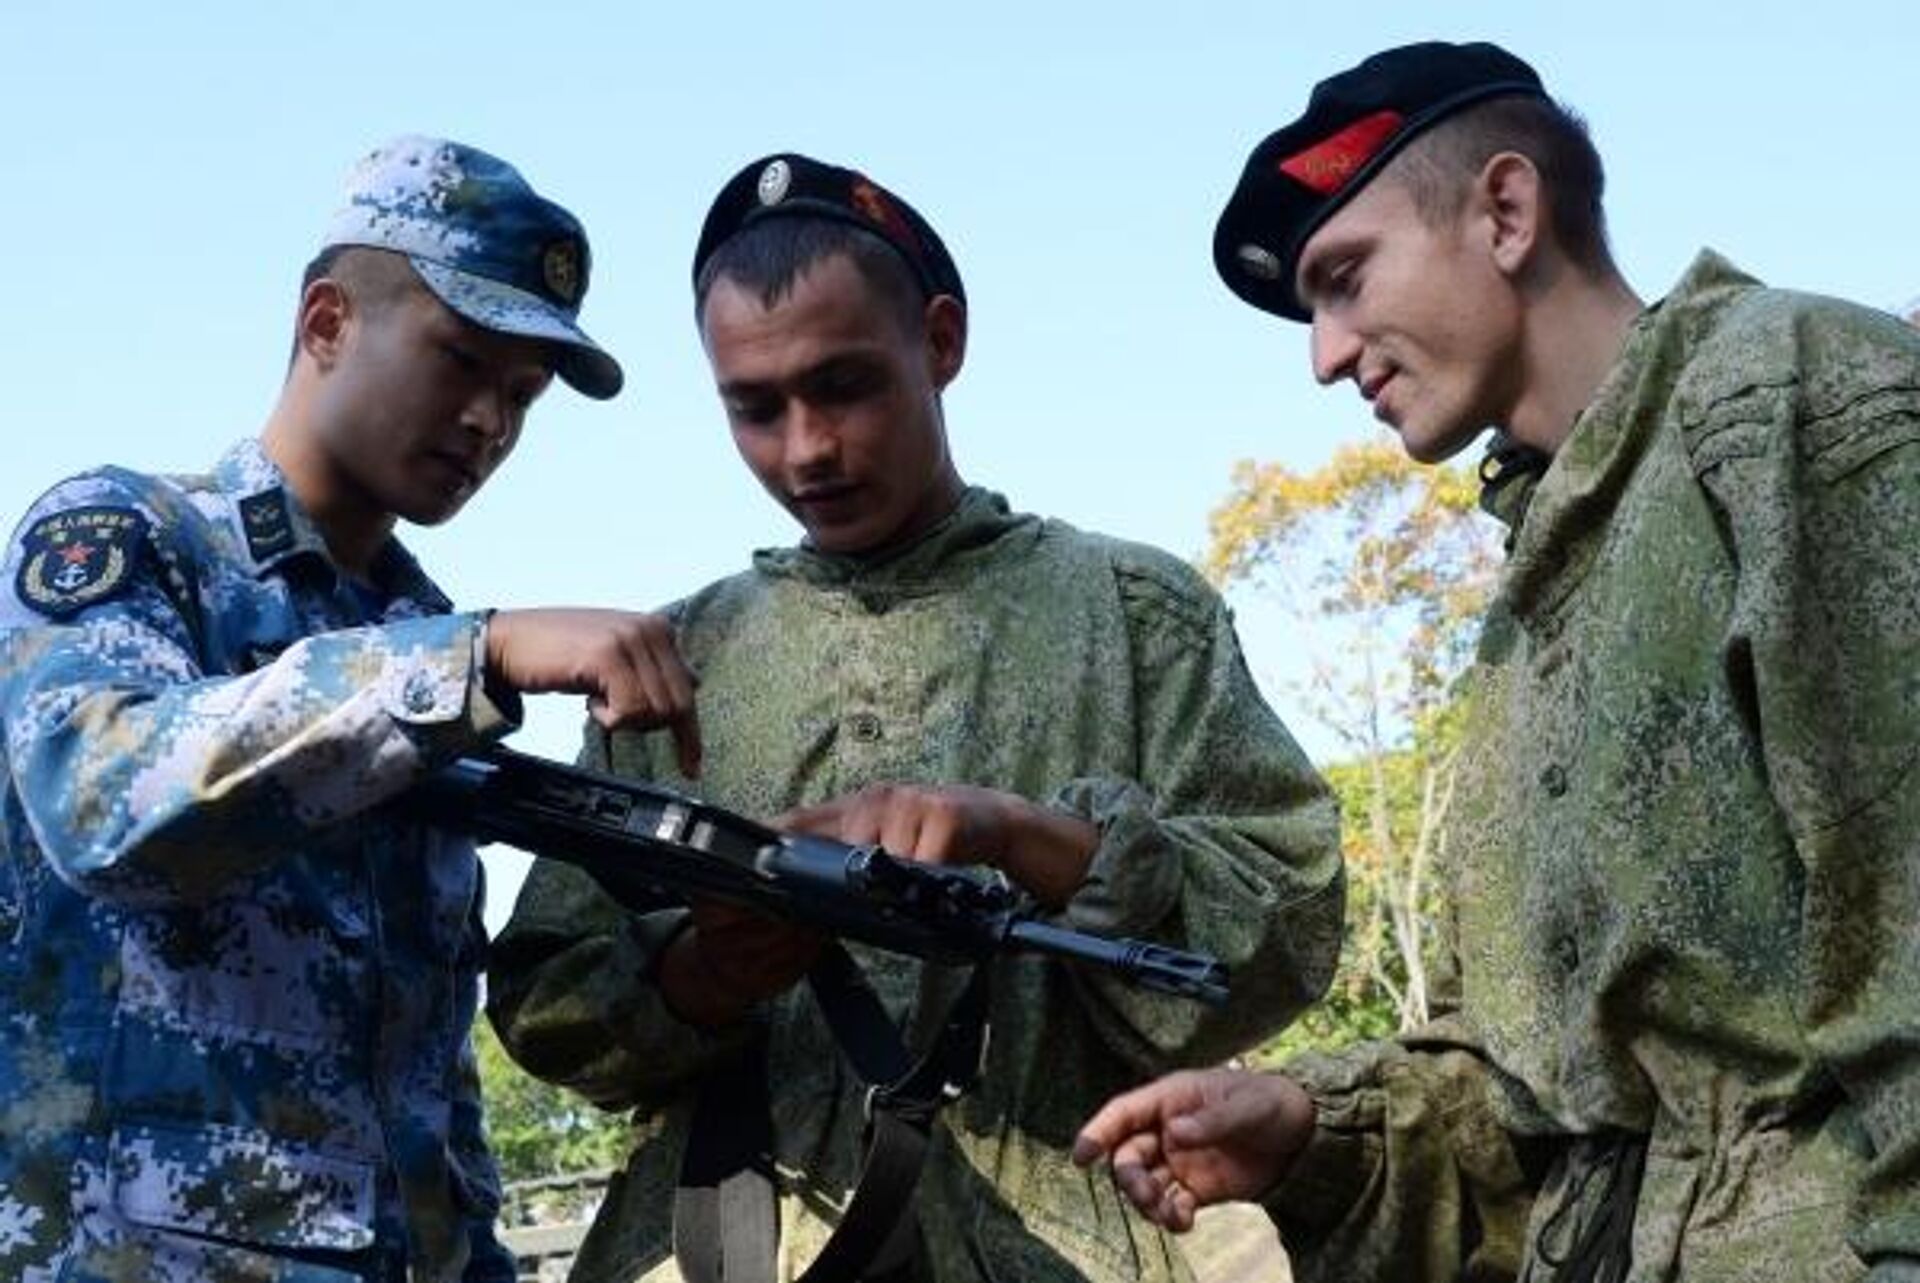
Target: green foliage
1394	555
1387	565
1350	1013
1358	1006
538	1130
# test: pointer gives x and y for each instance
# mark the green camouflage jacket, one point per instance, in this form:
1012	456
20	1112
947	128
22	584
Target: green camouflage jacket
1685	876
1002	651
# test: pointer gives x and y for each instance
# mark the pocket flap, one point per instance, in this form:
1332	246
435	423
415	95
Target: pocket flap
241	1185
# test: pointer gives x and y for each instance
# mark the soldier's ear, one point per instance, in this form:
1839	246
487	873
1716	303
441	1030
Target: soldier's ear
946	330
1509	200
321	327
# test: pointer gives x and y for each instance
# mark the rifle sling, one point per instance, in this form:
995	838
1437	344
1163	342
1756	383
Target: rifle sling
725	1215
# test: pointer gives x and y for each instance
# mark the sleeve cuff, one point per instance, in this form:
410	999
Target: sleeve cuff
1325	1182
1133	881
1331	1176
434	680
496	706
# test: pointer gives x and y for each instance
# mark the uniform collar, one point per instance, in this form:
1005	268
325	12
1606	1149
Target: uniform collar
275	530
1556	519
974	528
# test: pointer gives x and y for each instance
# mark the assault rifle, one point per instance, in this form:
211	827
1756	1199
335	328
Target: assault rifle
650	848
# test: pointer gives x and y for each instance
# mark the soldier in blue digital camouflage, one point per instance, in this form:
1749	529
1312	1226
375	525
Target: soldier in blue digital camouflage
1678	1037
236	990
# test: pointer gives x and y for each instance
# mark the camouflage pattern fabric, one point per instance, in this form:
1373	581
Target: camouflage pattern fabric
1004	651
483	242
1685	880
235	1034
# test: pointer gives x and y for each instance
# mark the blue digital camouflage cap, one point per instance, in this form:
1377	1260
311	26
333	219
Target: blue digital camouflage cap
486	244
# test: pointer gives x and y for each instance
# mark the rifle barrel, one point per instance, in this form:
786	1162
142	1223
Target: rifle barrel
1151	966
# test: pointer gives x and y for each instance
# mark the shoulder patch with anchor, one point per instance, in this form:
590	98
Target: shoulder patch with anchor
79	557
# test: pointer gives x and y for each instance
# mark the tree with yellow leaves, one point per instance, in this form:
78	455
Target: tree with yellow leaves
1386	565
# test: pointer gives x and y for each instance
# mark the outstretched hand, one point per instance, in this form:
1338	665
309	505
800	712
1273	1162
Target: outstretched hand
624	662
1196	1138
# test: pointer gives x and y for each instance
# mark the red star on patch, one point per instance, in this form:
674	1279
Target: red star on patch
74	554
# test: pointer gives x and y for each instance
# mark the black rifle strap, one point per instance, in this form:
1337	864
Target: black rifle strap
875	1236
725	1219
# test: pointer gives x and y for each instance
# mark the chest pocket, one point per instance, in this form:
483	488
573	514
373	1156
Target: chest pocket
285	961
240	1186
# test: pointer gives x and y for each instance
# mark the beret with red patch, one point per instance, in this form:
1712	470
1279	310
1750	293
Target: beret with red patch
1354	124
789	185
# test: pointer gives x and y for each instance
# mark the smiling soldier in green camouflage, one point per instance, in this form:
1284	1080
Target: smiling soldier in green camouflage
236	992
959	682
1685	874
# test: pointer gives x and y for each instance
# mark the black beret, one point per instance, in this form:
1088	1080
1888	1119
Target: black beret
789	185
1354	124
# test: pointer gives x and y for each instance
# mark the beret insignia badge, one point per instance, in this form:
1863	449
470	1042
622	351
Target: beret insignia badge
775	179
1326	166
1259	261
878	210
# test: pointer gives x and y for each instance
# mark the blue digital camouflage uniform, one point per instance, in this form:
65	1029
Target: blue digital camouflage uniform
235	1040
1684	880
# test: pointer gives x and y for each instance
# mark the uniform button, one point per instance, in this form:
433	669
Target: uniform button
419	693
865	727
1554	780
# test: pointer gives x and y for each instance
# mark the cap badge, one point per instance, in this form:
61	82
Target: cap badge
1326	166
560	268
775	179
1259	261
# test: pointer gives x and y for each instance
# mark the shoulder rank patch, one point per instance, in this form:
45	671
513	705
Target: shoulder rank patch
79	557
268	525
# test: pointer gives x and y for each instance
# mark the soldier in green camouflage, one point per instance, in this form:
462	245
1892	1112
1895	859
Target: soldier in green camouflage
1679	1041
958	682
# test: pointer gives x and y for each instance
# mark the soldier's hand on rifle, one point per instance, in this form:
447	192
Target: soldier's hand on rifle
731	958
1192	1139
1045	851
624	662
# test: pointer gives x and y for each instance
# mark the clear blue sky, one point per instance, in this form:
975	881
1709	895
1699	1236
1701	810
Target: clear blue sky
171	165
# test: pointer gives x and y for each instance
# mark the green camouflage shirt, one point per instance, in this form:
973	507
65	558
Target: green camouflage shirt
1685	878
1003	651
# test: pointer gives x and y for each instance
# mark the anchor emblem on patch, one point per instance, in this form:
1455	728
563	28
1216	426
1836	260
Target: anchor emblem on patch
78	557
